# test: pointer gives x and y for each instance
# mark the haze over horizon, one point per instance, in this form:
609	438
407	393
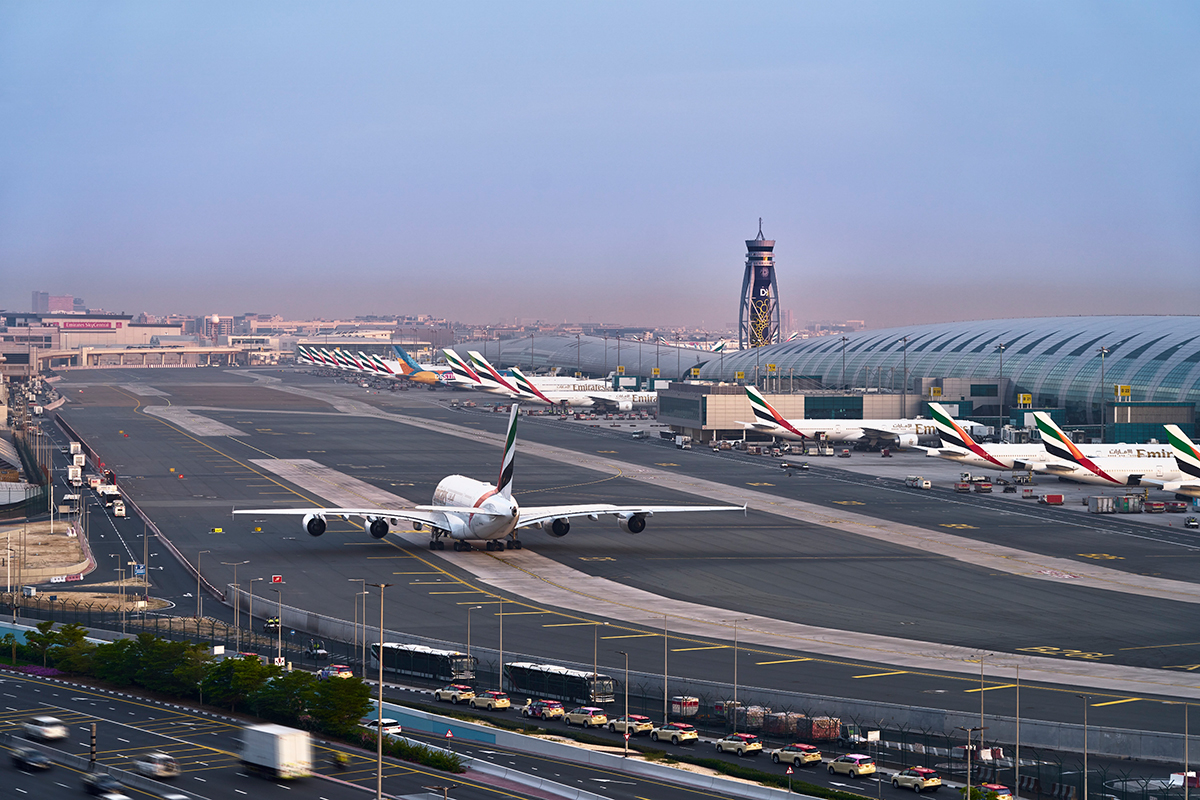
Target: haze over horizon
601	162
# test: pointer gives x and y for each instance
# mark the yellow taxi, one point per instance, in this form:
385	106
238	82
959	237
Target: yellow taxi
491	700
456	693
852	764
796	754
741	743
633	725
675	733
587	716
919	779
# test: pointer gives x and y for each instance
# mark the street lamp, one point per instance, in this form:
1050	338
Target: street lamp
1000	348
501	681
279	627
251	582
904	382
735	669
1087	698
595	656
121	588
622	652
202	552
844	340
237	604
379	705
361	594
970	738
1103	351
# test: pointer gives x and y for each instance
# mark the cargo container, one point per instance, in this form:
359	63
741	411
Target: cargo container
76	447
818	729
1102	505
79	460
75	476
983	487
1129	504
1051	499
1154	507
962	487
685	706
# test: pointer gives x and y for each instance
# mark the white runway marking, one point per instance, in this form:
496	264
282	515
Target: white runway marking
192	423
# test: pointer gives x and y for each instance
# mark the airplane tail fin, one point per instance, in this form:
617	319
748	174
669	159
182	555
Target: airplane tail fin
1187	455
461	370
484	368
765	413
504	482
406	359
526	386
952	434
1057	443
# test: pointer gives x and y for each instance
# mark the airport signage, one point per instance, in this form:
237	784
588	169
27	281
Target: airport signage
935	391
695	372
276	579
1124	392
655	372
1025	400
770	367
83	325
620	370
739	376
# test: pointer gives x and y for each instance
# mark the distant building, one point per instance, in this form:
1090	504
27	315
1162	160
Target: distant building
46	303
758	315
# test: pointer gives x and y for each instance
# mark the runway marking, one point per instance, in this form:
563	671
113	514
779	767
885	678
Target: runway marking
527	613
1154	646
710	647
566	624
882	674
989	688
1117	702
760	483
1101	556
784	661
666	464
607	452
483	602
962	526
405	573
849	503
632	636
473	591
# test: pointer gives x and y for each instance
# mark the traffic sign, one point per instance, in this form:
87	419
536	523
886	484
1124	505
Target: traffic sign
739	376
789	771
627	736
276	579
620	370
655	372
695	372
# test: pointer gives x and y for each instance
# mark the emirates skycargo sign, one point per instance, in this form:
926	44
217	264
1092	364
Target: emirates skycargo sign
83	325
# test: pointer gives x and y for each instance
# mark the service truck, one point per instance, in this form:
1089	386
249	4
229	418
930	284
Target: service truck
277	751
917	482
75	476
76	447
683	442
118	508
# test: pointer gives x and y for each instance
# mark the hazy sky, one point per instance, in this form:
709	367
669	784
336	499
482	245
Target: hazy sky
605	161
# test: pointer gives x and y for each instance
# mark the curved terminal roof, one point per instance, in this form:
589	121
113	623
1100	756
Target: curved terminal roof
1056	359
591	355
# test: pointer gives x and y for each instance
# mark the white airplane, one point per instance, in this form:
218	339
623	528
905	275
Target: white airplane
1187	459
1132	466
893	432
466	510
524	389
465	377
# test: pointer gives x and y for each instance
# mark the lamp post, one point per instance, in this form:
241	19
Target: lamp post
379	705
622	652
1000	388
665	717
202	552
904	382
1103	351
279	627
844	340
595	656
501	681
251	582
121	594
357	595
237	604
1087	698
735	670
970	738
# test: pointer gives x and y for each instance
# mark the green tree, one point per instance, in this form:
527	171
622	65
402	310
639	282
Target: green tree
41	640
287	699
235	680
116	662
339	703
73	652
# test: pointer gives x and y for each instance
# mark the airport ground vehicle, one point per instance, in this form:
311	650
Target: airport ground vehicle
1051	499
543	709
277	751
156	765
852	764
27	759
919	779
587	716
456	693
271	625
1191	522
796	754
559	683
491	700
741	743
118	508
633	725
425	662
675	733
917	482
47	729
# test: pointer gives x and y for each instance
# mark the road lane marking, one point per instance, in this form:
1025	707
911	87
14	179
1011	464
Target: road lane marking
561	624
710	647
1117	702
882	674
472	591
784	661
989	688
632	636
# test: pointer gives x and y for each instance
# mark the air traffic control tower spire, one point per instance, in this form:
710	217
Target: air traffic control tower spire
758	315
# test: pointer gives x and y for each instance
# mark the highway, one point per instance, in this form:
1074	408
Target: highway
760	564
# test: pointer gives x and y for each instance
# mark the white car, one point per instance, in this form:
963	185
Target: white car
389	725
45	728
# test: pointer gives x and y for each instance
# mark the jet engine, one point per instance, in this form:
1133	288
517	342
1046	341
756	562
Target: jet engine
907	439
557	527
632	523
624	405
379	528
314	524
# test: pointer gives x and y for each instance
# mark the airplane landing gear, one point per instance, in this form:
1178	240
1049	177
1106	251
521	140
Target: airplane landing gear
436	544
461	546
513	544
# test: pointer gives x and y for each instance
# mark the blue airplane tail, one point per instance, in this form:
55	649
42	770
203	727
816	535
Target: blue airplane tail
406	358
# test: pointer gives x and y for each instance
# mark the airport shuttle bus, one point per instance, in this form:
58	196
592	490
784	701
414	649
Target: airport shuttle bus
559	683
425	662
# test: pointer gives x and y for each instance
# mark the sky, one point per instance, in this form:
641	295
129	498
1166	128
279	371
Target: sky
601	161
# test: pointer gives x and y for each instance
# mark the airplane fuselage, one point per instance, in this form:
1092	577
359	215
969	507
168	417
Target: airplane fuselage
1126	471
459	491
841	430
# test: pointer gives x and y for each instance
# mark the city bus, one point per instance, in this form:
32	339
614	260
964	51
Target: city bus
559	683
425	662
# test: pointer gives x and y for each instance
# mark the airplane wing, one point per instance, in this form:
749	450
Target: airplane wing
1190	488
880	435
427	515
1052	467
759	426
538	514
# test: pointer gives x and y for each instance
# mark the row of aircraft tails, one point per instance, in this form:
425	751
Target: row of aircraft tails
1172	467
465	510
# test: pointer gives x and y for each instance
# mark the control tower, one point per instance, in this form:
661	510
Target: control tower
758	315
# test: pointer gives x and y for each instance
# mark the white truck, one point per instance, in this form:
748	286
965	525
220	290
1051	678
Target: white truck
683	442
118	508
76	447
75	476
277	751
917	482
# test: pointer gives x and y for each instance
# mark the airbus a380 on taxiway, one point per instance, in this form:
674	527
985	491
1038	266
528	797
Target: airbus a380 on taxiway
1137	464
894	432
466	510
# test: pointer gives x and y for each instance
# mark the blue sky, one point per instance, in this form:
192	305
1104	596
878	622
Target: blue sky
604	161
